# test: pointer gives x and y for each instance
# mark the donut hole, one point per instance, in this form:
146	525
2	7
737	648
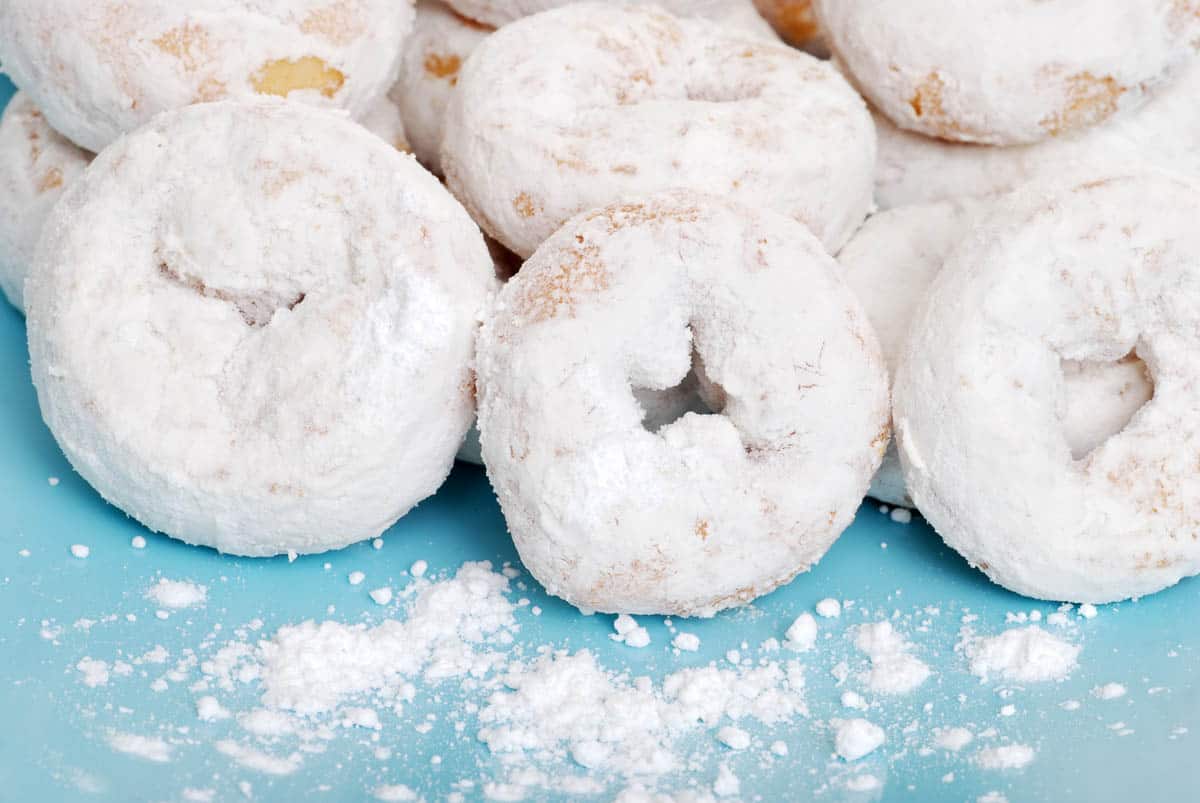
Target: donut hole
662	407
1101	398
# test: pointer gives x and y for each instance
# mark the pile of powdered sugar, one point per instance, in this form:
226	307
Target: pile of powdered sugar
559	721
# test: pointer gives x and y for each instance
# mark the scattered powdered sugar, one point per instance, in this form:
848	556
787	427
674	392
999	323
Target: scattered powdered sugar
1022	654
147	747
1005	757
95	673
733	737
953	739
1109	691
894	670
80	551
177	593
138	542
255	759
855	738
395	792
727	784
381	596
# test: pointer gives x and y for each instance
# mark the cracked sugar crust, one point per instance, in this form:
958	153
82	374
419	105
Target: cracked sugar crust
953	70
650	102
739	14
251	327
890	264
100	69
36	166
1086	271
709	511
1165	132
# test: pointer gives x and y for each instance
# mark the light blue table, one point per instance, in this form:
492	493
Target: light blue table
51	745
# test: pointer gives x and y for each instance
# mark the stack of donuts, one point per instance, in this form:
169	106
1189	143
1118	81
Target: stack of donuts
704	272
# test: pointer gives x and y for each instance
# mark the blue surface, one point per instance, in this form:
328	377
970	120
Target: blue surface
52	728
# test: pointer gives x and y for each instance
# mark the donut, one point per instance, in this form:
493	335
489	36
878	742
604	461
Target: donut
1086	271
442	39
796	22
439	44
582	106
102	68
709	511
1165	132
891	262
251	327
36	165
1005	73
739	14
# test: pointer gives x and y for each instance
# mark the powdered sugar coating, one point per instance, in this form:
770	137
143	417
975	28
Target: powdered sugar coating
710	511
738	14
951	70
1164	132
1086	271
100	68
891	263
36	166
620	100
251	327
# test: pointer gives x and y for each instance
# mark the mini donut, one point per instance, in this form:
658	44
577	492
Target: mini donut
740	14
1000	72
1085	271
615	100
36	166
102	68
441	40
251	327
439	44
796	22
709	511
1165	132
890	263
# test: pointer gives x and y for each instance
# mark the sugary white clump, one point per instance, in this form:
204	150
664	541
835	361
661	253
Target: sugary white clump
104	73
688	642
829	608
801	634
855	738
629	632
953	739
1109	691
894	670
1021	654
177	593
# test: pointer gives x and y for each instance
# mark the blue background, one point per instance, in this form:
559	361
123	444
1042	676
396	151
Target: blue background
52	727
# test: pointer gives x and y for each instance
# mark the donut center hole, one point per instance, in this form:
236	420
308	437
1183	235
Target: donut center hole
256	307
661	407
1101	399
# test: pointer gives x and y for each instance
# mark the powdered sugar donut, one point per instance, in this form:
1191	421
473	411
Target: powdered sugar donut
891	262
439	45
711	510
442	39
1165	132
251	327
36	165
1088	271
99	68
952	70
733	13
614	100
